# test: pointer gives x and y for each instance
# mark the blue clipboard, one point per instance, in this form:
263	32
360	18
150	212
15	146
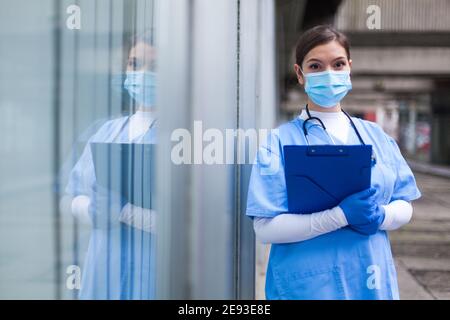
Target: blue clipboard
126	169
319	177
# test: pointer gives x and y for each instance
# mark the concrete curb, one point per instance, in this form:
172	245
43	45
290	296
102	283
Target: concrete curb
421	167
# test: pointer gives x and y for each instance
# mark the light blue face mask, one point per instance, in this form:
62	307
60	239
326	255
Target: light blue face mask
327	88
141	86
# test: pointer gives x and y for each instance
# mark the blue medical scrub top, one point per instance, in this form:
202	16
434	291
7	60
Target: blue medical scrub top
120	260
342	264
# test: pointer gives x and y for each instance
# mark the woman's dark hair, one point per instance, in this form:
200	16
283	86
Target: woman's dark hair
147	37
317	36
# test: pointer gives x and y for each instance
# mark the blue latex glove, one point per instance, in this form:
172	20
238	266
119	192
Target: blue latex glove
362	212
372	227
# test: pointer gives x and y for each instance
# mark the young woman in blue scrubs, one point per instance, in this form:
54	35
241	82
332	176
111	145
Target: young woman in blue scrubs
343	252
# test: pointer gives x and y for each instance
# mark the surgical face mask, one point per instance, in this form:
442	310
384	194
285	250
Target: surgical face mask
141	86
327	88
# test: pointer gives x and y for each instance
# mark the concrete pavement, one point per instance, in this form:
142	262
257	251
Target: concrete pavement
422	248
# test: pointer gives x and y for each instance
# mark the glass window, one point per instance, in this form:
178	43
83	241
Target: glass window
92	93
78	128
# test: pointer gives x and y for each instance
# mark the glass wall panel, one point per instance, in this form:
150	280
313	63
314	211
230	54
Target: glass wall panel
93	93
78	126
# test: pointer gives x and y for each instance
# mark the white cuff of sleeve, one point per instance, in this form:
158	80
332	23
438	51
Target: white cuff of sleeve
339	215
397	214
80	209
137	217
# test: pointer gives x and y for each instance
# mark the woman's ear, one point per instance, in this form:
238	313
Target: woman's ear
298	71
350	63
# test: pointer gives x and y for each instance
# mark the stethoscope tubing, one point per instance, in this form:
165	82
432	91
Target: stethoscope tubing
305	130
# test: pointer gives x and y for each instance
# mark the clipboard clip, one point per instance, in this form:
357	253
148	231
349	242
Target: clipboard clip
335	151
327	150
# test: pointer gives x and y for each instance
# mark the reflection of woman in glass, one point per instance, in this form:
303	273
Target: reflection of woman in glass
120	258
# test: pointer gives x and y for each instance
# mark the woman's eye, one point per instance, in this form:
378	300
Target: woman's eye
135	64
132	63
153	65
340	64
314	66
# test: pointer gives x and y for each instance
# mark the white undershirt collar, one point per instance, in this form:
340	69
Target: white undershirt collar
140	121
337	123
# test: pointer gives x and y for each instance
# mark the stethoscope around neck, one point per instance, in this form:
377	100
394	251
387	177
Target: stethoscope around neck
305	130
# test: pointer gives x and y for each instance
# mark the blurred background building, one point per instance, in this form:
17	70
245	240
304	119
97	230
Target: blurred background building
228	63
401	72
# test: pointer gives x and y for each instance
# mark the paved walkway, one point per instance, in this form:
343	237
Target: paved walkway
421	248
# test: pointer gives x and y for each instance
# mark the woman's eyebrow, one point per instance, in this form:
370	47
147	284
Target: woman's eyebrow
313	59
318	60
